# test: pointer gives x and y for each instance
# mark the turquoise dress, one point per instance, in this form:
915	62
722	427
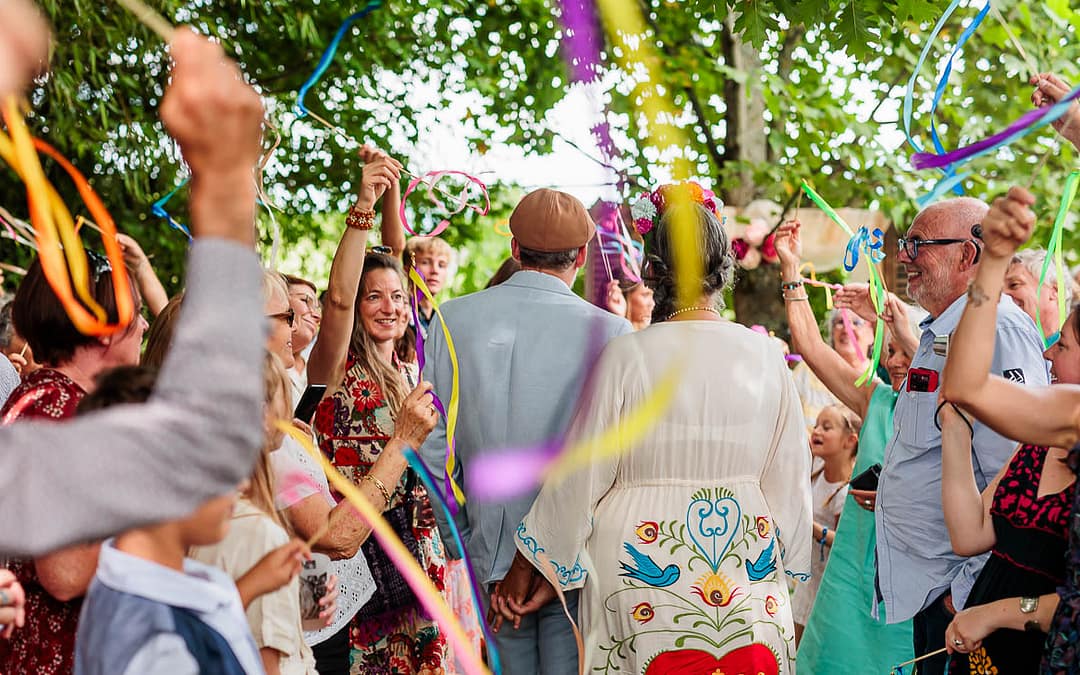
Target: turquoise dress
841	636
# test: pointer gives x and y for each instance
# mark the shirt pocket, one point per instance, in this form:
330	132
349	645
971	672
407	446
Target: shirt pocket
918	428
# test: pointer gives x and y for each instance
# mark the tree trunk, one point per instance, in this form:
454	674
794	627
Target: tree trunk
757	292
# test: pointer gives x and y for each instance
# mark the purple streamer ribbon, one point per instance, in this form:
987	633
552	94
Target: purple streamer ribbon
1027	123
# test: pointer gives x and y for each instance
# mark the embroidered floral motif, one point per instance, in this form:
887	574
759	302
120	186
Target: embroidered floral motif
772	606
643	613
763	526
716	590
735	608
647	532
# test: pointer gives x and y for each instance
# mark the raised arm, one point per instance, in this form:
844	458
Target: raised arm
967	512
327	362
831	368
206	413
1038	415
153	293
392	231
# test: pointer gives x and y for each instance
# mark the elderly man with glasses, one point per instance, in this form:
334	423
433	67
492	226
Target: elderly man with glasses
919	576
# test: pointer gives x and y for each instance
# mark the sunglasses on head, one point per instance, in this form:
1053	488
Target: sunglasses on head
289	316
99	264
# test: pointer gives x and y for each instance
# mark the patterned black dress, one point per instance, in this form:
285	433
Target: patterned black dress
1062	656
1027	560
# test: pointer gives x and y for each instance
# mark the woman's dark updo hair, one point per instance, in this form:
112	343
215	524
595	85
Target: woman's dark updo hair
712	244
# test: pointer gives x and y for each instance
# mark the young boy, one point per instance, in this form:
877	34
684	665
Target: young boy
432	258
151	610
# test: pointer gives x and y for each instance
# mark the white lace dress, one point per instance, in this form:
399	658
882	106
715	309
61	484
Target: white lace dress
355	584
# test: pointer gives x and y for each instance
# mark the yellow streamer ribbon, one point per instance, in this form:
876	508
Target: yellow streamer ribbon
625	25
410	569
814	280
452	405
617	439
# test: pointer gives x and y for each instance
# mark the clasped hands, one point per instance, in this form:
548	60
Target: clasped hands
522	591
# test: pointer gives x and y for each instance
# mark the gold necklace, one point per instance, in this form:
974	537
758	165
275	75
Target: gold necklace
693	309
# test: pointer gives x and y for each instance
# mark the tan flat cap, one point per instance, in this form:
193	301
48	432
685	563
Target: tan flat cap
549	221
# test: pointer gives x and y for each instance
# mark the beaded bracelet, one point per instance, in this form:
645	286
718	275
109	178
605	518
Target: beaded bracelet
791	285
360	219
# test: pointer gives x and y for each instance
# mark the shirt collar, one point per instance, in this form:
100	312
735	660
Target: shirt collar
201	588
534	279
946	322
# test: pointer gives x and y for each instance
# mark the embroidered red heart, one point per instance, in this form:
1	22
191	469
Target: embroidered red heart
755	659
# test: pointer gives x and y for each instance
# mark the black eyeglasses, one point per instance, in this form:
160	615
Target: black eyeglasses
911	246
288	315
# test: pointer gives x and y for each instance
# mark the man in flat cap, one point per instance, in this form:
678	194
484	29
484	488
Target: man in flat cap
522	350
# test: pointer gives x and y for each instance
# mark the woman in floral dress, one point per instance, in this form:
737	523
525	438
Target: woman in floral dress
366	386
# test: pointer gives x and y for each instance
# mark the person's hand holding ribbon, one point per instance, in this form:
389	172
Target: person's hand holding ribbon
616	301
1049	89
788	244
417	417
379	173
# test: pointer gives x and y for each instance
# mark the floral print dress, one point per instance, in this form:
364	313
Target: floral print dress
46	644
352	426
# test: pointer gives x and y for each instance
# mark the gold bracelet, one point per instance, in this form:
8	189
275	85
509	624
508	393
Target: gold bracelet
360	219
382	488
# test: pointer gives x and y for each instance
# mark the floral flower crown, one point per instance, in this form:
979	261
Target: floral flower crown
647	209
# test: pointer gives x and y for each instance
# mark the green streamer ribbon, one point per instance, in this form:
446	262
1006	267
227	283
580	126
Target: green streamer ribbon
1053	251
878	293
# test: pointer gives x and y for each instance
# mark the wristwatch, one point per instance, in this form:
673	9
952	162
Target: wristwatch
1028	606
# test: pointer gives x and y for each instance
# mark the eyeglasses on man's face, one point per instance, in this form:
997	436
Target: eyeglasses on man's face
911	246
288	316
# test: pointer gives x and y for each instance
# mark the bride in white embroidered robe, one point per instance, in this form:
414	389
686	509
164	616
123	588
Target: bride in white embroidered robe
691	530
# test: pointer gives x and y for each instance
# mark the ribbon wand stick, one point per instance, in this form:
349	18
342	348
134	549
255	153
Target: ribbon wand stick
149	18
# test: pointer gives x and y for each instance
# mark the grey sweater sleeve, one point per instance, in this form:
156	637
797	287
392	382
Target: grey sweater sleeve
197	436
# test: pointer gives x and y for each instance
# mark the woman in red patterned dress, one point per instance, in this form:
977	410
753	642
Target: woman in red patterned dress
366	386
55	583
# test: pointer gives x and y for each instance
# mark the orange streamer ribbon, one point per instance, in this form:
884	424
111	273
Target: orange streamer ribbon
63	258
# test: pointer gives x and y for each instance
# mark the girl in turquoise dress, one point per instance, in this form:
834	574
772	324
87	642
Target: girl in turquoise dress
841	636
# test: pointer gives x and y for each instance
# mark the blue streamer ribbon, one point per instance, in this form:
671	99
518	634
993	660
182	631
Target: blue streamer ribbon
428	480
300	109
864	240
158	209
951	181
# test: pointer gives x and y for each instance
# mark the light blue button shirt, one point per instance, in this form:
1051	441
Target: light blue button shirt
916	563
204	590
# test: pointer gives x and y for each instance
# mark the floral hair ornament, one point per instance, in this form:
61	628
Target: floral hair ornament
647	210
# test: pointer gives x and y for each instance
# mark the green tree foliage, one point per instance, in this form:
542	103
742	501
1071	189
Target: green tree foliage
831	81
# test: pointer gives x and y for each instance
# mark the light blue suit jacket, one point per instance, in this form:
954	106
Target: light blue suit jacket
523	348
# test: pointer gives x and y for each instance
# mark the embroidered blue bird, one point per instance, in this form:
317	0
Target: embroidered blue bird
648	571
764	565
